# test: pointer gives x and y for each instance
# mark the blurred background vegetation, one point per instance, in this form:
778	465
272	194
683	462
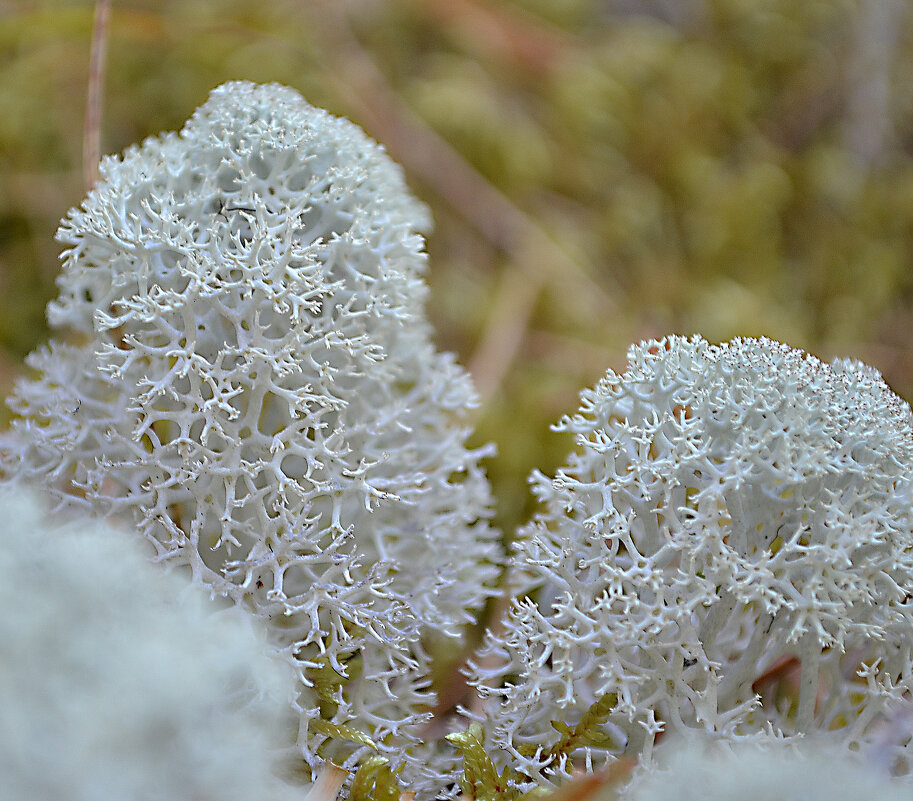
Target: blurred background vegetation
600	171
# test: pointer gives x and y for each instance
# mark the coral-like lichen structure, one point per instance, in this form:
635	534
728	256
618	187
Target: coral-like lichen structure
245	372
119	681
729	550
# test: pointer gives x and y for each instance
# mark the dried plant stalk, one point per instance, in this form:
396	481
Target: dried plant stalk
91	142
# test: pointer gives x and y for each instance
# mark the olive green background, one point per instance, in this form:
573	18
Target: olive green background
600	172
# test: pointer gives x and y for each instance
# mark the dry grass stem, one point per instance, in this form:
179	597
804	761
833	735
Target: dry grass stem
91	142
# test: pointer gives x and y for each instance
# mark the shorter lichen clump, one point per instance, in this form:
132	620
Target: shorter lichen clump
729	550
245	372
121	682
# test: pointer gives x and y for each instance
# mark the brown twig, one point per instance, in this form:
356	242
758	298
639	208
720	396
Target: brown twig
786	668
501	32
508	323
91	142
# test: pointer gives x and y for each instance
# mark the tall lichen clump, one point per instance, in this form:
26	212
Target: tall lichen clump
244	371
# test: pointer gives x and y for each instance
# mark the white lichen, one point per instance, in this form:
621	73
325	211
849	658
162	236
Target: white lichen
252	383
766	771
119	681
729	550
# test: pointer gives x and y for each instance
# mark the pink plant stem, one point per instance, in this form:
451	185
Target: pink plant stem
329	781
